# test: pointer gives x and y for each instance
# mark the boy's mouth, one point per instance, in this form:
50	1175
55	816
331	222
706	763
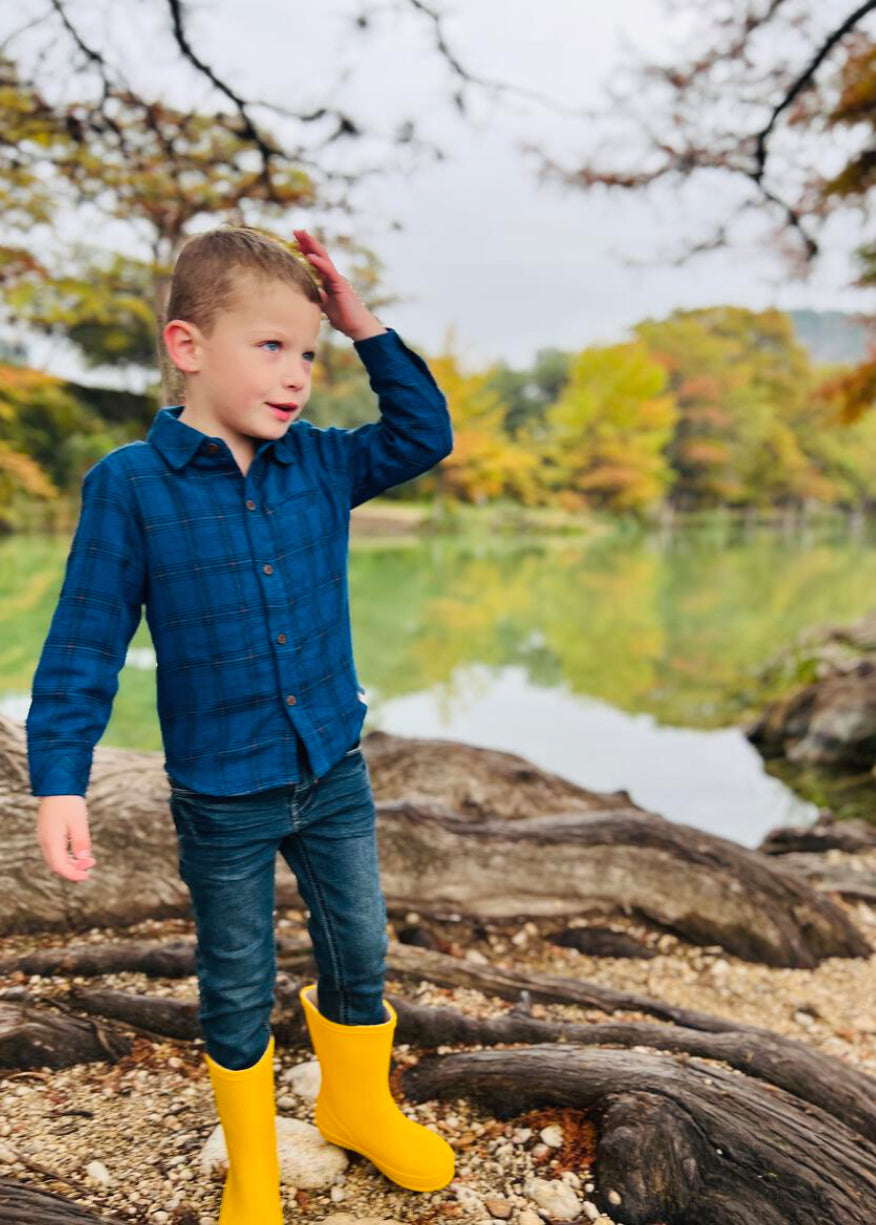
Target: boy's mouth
283	411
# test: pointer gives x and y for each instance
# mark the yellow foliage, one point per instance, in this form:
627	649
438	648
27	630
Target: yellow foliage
485	462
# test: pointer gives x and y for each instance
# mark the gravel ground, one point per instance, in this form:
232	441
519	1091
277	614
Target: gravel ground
125	1139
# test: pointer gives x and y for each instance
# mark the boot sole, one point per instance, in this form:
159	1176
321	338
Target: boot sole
397	1176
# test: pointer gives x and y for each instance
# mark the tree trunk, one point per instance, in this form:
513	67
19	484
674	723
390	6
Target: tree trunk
679	1141
474	831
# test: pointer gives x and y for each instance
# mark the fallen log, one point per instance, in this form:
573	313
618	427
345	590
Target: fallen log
705	889
679	1141
830	1084
21	1205
157	959
848	881
33	1036
404	963
161	1016
827	834
808	1074
596	855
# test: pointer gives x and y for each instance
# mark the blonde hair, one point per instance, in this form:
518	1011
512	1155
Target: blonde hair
208	269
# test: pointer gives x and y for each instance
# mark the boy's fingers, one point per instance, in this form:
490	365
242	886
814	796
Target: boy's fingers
310	240
80	841
60	862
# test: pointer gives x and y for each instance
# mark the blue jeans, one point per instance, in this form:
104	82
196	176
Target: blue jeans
325	829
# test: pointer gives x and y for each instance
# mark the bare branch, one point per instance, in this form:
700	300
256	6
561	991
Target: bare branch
804	80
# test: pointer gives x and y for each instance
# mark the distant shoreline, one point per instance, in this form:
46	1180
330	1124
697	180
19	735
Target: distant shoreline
389	517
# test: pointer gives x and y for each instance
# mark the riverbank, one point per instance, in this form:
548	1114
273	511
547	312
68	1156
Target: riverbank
440	516
392	517
135	1129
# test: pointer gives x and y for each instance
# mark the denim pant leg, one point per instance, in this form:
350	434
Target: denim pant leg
227	857
333	852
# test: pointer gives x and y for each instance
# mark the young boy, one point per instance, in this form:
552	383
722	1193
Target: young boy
230	524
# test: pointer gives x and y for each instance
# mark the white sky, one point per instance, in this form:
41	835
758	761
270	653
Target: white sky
488	259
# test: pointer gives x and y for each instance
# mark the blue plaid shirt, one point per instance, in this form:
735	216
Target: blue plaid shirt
244	581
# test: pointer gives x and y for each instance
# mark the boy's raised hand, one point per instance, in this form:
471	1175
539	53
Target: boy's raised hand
63	819
343	307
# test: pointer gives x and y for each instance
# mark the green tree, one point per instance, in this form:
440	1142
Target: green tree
610	427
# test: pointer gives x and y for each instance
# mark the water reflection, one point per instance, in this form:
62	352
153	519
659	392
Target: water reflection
714	780
619	662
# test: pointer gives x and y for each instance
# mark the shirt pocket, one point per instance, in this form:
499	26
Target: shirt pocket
303	488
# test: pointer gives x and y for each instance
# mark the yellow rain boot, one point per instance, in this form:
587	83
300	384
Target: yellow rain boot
355	1108
245	1102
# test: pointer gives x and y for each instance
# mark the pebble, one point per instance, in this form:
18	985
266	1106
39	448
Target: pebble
98	1171
306	1159
468	1198
557	1198
500	1209
303	1079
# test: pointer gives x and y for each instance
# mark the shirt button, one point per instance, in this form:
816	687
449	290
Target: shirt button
281	637
268	568
291	699
211	447
250	505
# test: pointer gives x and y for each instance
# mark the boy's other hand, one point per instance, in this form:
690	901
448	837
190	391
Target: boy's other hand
62	831
344	309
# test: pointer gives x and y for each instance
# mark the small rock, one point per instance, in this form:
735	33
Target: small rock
304	1079
469	1199
499	1208
552	1135
348	1218
557	1198
98	1171
590	1210
306	1159
613	1197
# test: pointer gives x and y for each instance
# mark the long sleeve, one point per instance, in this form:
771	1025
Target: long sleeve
414	431
98	611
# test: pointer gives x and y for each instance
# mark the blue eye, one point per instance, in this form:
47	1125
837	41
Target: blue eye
310	355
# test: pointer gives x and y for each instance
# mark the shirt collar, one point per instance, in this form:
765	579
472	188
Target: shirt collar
179	442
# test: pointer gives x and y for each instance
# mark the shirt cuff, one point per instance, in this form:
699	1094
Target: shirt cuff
387	354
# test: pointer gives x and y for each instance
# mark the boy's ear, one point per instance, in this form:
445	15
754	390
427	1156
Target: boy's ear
183	343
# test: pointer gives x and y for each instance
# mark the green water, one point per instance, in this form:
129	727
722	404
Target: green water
616	661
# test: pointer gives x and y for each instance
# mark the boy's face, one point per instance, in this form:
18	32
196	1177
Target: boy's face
260	353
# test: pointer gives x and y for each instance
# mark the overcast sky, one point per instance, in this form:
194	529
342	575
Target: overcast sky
487	255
